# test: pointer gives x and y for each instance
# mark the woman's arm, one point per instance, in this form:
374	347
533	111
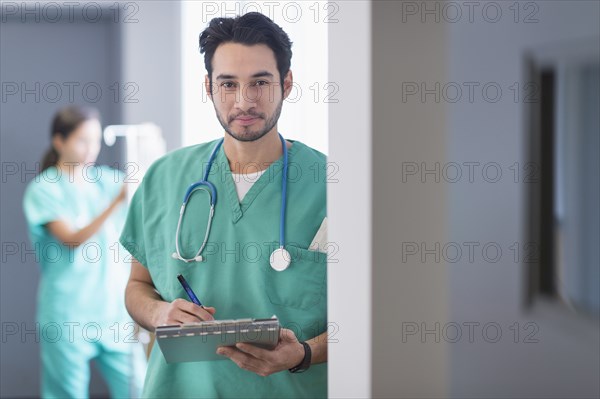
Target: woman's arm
63	232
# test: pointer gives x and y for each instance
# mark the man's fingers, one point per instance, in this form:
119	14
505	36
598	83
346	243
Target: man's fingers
210	309
254	351
199	311
194	310
186	318
242	359
287	335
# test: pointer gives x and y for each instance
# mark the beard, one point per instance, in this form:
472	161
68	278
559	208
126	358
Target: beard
251	133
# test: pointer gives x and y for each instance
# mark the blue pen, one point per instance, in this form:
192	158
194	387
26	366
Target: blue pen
189	291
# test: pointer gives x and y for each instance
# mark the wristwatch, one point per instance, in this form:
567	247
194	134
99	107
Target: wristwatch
305	363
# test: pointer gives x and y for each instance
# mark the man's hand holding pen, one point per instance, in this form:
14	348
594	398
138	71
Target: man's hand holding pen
181	311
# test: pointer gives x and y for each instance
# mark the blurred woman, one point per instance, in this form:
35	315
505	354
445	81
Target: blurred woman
75	211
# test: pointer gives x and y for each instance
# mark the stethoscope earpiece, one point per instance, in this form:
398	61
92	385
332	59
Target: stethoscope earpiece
198	258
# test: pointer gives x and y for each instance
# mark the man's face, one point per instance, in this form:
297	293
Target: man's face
247	93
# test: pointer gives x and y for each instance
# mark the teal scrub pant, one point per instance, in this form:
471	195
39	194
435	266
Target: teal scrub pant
66	369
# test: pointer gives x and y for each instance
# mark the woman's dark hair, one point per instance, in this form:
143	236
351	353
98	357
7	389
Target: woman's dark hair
65	121
249	29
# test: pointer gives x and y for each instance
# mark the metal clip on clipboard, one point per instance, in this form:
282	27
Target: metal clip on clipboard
199	341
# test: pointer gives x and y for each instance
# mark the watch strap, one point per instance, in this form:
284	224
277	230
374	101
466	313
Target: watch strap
305	363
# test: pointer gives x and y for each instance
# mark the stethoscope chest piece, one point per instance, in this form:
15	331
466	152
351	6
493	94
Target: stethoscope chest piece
280	259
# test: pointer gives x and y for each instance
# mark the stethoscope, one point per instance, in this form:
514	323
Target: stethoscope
280	258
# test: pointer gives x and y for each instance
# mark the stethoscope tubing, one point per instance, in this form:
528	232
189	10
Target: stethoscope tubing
212	192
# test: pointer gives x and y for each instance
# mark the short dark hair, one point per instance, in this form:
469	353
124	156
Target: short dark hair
249	29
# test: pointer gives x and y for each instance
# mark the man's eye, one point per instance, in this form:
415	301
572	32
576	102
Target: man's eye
261	83
228	85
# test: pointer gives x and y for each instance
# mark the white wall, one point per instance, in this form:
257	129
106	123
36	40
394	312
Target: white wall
151	53
349	205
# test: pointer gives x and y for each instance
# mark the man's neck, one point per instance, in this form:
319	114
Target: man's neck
253	156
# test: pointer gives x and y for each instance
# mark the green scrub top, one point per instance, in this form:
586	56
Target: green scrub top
80	294
235	277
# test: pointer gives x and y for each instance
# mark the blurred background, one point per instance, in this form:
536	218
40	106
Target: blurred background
463	189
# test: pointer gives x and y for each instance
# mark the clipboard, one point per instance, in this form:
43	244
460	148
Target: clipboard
197	342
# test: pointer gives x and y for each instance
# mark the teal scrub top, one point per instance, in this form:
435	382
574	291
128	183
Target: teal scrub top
235	277
81	290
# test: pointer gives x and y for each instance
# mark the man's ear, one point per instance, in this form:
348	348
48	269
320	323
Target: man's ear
207	87
288	83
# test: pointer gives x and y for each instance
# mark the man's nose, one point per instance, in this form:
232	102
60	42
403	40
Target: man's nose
245	98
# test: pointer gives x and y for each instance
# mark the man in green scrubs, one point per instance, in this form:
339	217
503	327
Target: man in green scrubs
249	76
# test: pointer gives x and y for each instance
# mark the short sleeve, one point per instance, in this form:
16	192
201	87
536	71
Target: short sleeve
132	236
43	202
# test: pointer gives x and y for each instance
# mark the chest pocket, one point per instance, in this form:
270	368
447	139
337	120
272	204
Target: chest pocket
303	284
